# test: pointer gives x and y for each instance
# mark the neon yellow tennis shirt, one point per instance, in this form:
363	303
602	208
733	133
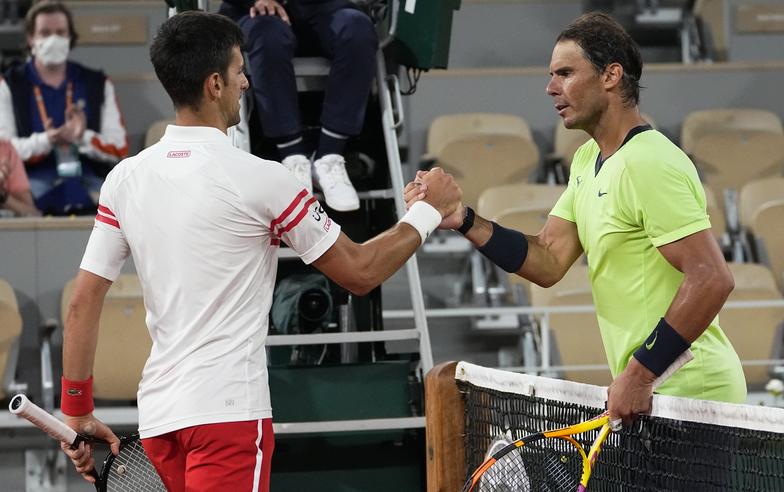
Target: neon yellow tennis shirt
644	196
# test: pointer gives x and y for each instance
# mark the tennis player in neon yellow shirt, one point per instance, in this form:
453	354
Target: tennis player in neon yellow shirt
634	205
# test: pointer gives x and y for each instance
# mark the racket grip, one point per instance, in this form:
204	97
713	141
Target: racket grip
681	361
21	406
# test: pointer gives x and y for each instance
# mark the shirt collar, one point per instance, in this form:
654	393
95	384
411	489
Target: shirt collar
177	133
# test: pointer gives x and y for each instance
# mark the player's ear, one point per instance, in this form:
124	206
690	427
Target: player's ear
213	85
612	75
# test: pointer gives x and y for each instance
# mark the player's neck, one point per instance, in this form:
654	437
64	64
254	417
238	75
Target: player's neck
193	117
613	126
51	75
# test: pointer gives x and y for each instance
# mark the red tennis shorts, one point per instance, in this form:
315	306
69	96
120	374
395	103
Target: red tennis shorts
231	456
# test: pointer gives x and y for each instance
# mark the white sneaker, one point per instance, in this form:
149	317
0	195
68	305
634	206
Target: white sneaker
299	166
331	177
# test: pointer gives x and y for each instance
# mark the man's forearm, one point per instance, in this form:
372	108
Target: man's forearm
360	268
80	339
541	264
697	302
22	206
80	333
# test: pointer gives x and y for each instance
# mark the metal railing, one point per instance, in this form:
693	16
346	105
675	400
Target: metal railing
543	315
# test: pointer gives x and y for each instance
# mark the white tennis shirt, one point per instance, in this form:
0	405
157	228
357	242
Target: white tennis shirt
203	222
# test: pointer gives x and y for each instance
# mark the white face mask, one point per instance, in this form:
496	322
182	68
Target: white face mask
51	50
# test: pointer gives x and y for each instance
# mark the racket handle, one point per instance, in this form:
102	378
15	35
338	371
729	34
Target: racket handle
681	361
687	355
21	406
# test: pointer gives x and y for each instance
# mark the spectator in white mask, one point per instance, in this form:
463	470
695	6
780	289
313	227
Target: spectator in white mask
62	117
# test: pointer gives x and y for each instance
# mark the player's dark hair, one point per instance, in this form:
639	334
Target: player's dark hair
49	7
188	48
604	41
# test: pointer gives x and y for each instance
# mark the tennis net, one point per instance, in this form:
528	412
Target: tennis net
684	444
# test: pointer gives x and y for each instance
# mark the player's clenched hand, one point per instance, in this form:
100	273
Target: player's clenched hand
417	190
269	7
82	457
442	193
630	393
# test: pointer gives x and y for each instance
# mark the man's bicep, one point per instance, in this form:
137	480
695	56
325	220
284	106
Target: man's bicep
562	239
698	250
89	286
339	261
552	252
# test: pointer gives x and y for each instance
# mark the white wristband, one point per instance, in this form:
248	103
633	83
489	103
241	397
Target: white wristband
424	218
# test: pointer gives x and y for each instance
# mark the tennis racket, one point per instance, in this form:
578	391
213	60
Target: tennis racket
552	460
128	471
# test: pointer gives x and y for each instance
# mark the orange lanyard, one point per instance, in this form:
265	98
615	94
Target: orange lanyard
39	99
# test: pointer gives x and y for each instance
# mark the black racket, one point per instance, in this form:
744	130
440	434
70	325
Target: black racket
129	471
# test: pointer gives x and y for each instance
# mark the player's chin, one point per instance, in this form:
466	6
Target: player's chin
569	123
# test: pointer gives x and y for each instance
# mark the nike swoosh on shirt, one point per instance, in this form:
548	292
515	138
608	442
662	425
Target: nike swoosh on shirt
602	194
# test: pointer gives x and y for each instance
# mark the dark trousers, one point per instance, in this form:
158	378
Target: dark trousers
343	34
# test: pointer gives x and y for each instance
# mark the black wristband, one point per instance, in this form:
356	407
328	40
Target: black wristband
506	248
662	347
468	221
3	197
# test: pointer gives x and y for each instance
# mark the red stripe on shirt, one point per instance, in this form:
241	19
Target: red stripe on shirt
293	205
107	220
291	225
106	210
111	149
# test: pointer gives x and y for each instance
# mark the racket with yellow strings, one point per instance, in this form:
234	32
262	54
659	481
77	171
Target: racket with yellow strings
553	460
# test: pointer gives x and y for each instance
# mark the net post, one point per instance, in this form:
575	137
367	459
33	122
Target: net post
444	415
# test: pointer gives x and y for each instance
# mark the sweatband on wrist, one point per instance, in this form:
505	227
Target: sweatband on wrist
506	248
76	397
662	347
424	218
468	221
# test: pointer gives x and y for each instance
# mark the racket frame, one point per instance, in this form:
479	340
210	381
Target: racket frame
564	433
601	421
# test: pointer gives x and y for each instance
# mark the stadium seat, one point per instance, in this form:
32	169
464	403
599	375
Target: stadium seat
156	131
730	159
123	340
450	127
479	162
575	336
716	214
520	206
10	330
752	331
698	123
762	214
566	141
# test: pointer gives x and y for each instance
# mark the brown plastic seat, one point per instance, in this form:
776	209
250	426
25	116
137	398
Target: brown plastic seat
752	331
699	123
482	161
730	159
762	214
446	128
10	330
123	340
575	335
716	213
